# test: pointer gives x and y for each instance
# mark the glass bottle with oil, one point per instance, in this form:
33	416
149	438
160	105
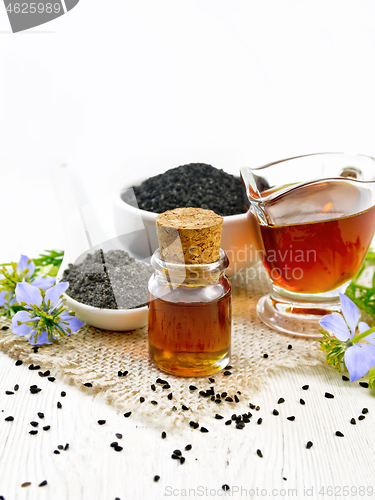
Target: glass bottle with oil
189	295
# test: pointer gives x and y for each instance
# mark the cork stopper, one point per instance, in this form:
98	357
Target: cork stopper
189	235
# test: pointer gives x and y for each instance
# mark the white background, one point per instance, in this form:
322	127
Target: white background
130	88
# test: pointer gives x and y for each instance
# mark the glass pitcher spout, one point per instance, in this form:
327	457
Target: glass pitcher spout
331	176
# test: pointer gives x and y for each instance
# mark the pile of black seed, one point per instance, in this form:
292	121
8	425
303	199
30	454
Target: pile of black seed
110	280
195	185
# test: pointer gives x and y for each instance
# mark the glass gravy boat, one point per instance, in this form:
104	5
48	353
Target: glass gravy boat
313	219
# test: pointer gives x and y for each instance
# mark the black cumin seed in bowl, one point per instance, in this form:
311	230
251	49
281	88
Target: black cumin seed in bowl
110	280
194	185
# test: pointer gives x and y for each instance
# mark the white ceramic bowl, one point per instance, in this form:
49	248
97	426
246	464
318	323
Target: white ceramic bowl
107	319
137	230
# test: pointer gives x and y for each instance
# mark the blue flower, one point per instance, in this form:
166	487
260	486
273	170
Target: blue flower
359	357
21	272
44	317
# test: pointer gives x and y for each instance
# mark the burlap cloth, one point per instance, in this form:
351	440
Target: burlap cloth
95	356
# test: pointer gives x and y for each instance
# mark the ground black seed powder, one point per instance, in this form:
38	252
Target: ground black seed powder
194	185
111	280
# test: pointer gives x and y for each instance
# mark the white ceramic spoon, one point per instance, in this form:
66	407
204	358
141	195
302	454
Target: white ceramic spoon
82	229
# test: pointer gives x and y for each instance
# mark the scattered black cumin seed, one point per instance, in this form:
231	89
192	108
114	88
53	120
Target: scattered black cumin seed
236	399
229	367
177	452
203	429
329	395
290	346
25	485
218	417
141	399
5	328
125	373
352	421
193	388
363	384
153	388
127	414
47	428
63	394
59	405
305	387
154	402
344	377
87	384
101	422
240	425
361	417
224	394
281	400
339	434
119	373
234	416
34	424
35	348
229	399
259	421
252	406
41	415
118	435
182	460
161	381
156	478
226	373
195	425
34	389
43	483
175	457
16	387
228	422
118	448
9	393
265	355
34	367
217	401
302	401
260	454
166	386
60	447
365	410
188	447
212	380
291	418
18	362
56	452
170	396
225	487
184	407
52	379
66	446
112	445
275	412
33	432
309	445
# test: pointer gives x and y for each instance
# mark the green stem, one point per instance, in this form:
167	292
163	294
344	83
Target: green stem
361	336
